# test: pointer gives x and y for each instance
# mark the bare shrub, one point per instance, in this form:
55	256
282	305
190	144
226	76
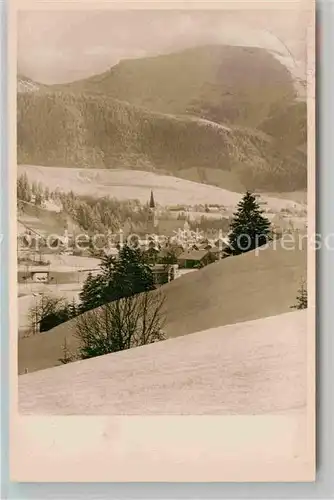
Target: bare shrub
122	324
68	356
44	306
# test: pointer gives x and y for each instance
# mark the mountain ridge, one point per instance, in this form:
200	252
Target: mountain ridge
192	114
195	80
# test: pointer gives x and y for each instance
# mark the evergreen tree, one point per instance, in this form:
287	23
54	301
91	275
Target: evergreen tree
34	187
124	277
68	356
23	188
92	293
249	228
107	266
73	309
301	297
40	189
38	199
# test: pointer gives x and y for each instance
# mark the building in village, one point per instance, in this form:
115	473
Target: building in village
53	275
164	273
163	240
190	259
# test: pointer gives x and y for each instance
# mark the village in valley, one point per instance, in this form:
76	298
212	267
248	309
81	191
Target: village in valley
161	218
174	240
62	257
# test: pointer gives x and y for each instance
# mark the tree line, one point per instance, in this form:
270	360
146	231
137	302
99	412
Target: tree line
31	192
89	213
98	215
102	214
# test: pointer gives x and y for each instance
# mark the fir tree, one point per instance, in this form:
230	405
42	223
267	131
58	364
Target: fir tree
23	188
68	356
249	228
73	309
107	266
34	187
301	297
130	274
38	199
92	293
124	277
46	193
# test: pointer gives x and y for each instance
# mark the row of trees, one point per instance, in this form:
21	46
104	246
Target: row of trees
89	213
119	278
29	192
102	214
125	276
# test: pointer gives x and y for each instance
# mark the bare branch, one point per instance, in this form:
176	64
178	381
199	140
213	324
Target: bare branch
122	324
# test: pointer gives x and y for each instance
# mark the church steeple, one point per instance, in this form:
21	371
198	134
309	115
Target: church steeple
152	221
152	202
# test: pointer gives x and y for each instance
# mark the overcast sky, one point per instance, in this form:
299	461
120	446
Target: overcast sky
57	46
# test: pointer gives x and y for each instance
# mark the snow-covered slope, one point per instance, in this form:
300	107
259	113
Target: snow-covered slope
255	367
137	184
26	85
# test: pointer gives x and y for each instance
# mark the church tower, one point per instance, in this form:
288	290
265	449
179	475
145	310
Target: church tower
152	220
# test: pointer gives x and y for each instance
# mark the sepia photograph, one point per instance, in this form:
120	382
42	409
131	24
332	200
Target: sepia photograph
164	199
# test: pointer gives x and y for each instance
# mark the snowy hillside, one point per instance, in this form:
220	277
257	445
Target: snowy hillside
255	367
137	184
26	85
